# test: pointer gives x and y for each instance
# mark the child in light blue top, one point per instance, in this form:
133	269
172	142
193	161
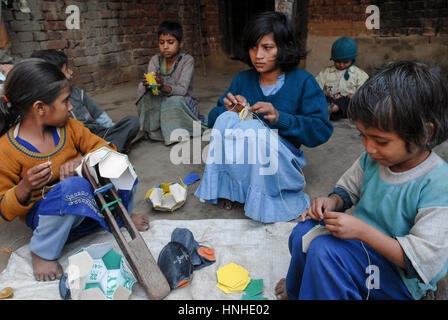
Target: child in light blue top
395	244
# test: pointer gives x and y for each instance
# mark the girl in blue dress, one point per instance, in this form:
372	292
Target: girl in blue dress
258	162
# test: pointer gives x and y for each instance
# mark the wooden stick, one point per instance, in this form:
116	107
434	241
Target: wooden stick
136	251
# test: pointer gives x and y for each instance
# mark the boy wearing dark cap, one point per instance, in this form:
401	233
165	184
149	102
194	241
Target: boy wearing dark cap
341	80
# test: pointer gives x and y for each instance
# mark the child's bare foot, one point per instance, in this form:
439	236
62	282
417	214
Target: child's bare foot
280	290
225	204
46	270
141	221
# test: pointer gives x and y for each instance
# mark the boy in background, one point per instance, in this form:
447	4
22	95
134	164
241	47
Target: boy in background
341	80
175	106
89	113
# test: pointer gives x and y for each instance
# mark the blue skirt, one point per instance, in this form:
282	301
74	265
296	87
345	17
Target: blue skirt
74	196
251	164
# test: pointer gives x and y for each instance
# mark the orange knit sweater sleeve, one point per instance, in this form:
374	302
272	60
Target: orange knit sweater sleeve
10	207
84	140
14	164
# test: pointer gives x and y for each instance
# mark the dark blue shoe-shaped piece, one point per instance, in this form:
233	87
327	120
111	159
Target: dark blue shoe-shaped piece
64	291
200	256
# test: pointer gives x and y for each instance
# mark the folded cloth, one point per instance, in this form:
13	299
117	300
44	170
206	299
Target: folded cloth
175	263
200	256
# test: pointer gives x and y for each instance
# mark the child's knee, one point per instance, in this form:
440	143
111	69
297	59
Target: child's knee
75	183
301	228
214	114
132	122
227	120
324	247
76	179
172	100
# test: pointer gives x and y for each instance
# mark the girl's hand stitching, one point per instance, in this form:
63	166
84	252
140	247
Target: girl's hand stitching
68	169
318	207
34	179
234	103
344	226
267	110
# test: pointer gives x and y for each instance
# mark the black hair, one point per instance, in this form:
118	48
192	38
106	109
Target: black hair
172	28
404	97
53	56
288	55
29	81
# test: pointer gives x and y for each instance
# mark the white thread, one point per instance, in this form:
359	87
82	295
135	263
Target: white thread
368	259
105	134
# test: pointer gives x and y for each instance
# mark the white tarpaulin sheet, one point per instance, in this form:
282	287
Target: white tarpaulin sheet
260	248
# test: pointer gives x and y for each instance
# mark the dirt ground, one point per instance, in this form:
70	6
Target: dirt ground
325	163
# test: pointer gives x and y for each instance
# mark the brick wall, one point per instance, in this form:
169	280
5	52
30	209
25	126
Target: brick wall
336	17
116	38
414	30
210	16
428	17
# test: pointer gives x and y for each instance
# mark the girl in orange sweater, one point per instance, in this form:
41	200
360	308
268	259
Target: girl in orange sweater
40	147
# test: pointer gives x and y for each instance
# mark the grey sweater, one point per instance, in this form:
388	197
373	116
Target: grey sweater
180	78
